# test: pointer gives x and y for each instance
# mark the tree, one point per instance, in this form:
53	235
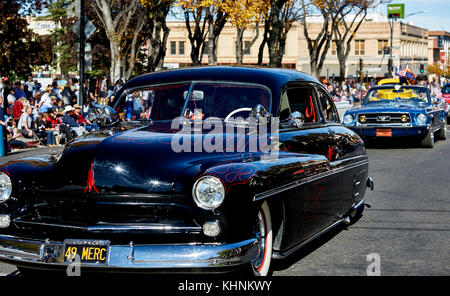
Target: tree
319	45
209	18
157	32
244	14
348	21
279	19
195	20
19	46
436	70
63	39
123	22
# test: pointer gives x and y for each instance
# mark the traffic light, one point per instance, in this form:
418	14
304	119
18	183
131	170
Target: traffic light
422	68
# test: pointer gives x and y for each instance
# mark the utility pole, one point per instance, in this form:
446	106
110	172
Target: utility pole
82	49
391	60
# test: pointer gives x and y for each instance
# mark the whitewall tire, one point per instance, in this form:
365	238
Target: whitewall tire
260	265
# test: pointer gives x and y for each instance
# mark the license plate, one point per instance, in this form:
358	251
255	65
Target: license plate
384	133
89	251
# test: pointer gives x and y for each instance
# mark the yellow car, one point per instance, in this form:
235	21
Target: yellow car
392	94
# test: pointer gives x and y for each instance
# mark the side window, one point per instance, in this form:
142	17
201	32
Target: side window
329	112
163	102
302	99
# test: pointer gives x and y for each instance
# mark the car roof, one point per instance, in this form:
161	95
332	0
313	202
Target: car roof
265	76
273	78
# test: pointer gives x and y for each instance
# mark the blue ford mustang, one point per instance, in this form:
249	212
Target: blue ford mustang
397	111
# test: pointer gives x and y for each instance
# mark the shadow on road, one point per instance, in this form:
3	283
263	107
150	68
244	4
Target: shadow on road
282	264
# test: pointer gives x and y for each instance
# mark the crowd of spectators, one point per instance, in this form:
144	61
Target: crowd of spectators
33	115
353	92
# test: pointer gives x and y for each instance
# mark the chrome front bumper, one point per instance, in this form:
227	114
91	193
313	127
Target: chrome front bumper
49	255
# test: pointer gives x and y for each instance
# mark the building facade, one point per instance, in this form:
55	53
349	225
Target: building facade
410	47
439	47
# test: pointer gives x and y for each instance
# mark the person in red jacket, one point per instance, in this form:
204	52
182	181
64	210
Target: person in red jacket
17	109
82	120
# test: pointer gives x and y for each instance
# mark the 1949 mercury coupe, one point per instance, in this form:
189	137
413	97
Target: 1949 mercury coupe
399	111
140	195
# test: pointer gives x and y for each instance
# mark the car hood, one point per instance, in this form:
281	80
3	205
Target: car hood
140	160
390	107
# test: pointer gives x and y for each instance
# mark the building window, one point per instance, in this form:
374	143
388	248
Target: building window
360	46
246	45
333	47
381	45
181	47
205	48
173	47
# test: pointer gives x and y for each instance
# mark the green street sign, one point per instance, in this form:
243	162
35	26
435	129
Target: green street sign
396	11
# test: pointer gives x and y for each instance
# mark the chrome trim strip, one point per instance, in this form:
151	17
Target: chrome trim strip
354	207
370	183
194	255
278	189
125	228
283	254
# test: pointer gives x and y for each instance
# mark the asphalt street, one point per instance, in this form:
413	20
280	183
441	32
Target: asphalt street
407	224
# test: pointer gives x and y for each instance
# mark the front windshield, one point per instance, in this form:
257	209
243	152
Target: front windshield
198	100
398	94
446	89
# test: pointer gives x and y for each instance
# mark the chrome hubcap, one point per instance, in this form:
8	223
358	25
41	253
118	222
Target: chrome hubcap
258	262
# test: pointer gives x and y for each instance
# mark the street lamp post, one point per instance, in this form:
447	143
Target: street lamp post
82	49
395	12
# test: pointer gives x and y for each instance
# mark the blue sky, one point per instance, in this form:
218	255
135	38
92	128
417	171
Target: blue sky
437	18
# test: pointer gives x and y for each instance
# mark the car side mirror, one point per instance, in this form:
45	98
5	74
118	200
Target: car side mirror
259	111
296	119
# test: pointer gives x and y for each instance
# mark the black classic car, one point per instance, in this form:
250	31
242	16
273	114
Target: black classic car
140	194
399	111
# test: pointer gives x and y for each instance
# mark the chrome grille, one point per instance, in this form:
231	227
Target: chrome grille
384	118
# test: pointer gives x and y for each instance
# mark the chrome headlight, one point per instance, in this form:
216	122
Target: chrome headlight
208	192
421	118
348	119
5	187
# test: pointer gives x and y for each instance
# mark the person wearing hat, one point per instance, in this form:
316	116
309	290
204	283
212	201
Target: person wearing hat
68	120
